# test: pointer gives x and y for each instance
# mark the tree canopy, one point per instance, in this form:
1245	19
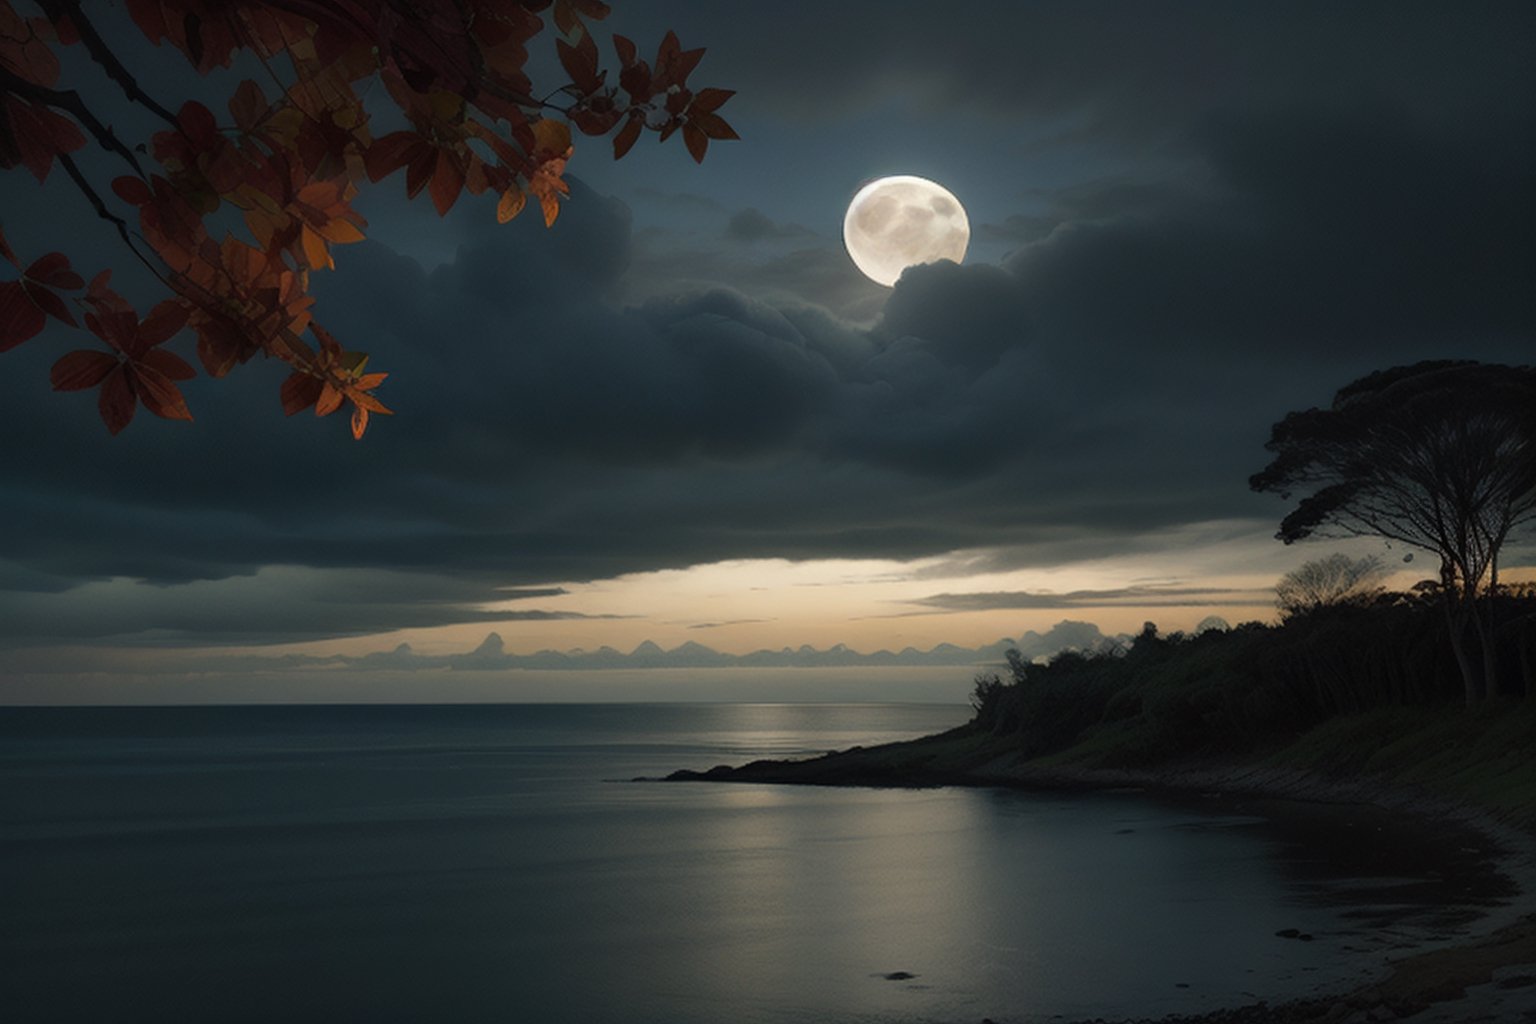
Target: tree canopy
287	158
1325	582
1438	455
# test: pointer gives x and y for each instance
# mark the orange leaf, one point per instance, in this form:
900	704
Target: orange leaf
551	137
511	204
328	401
340	231
316	255
363	400
81	369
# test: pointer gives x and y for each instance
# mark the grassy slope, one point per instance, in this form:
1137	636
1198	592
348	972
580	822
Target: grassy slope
1482	758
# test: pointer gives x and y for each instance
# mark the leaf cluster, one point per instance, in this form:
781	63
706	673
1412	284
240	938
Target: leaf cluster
289	159
1438	455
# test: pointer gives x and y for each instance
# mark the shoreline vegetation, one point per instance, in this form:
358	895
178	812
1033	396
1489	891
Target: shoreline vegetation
1344	705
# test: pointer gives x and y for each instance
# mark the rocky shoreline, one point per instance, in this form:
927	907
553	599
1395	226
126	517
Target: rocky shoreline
1486	974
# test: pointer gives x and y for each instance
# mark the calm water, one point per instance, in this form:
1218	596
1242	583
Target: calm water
489	863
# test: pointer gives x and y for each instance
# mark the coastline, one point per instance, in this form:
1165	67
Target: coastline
1484	972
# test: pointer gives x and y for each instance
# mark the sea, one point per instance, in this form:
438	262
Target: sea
518	863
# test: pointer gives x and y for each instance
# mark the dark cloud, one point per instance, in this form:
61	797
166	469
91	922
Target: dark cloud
752	225
1324	198
1181	597
1135	67
275	604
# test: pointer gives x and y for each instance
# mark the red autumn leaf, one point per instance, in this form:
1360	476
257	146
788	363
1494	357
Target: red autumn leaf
168	363
299	392
625	140
580	62
712	125
49	303
626	50
707	101
248	106
162	323
390	153
132	190
36	135
81	369
447	182
117	327
636	80
291	166
158	393
53	270
696	140
420	171
220	345
117	402
24	47
20	317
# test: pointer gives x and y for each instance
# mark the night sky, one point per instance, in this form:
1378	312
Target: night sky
681	414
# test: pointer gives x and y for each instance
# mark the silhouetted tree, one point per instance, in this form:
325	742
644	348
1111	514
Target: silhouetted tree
1440	456
1323	582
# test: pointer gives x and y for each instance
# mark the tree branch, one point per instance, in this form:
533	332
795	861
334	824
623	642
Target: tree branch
73	170
102	54
70	101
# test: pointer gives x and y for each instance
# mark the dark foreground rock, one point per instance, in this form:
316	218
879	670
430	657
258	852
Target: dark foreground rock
1413	990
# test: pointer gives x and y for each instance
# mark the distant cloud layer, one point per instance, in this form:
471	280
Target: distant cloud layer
492	656
1184	597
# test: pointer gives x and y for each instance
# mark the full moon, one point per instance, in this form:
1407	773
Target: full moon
895	223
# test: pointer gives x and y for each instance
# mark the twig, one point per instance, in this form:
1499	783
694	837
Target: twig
73	170
69	100
102	54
